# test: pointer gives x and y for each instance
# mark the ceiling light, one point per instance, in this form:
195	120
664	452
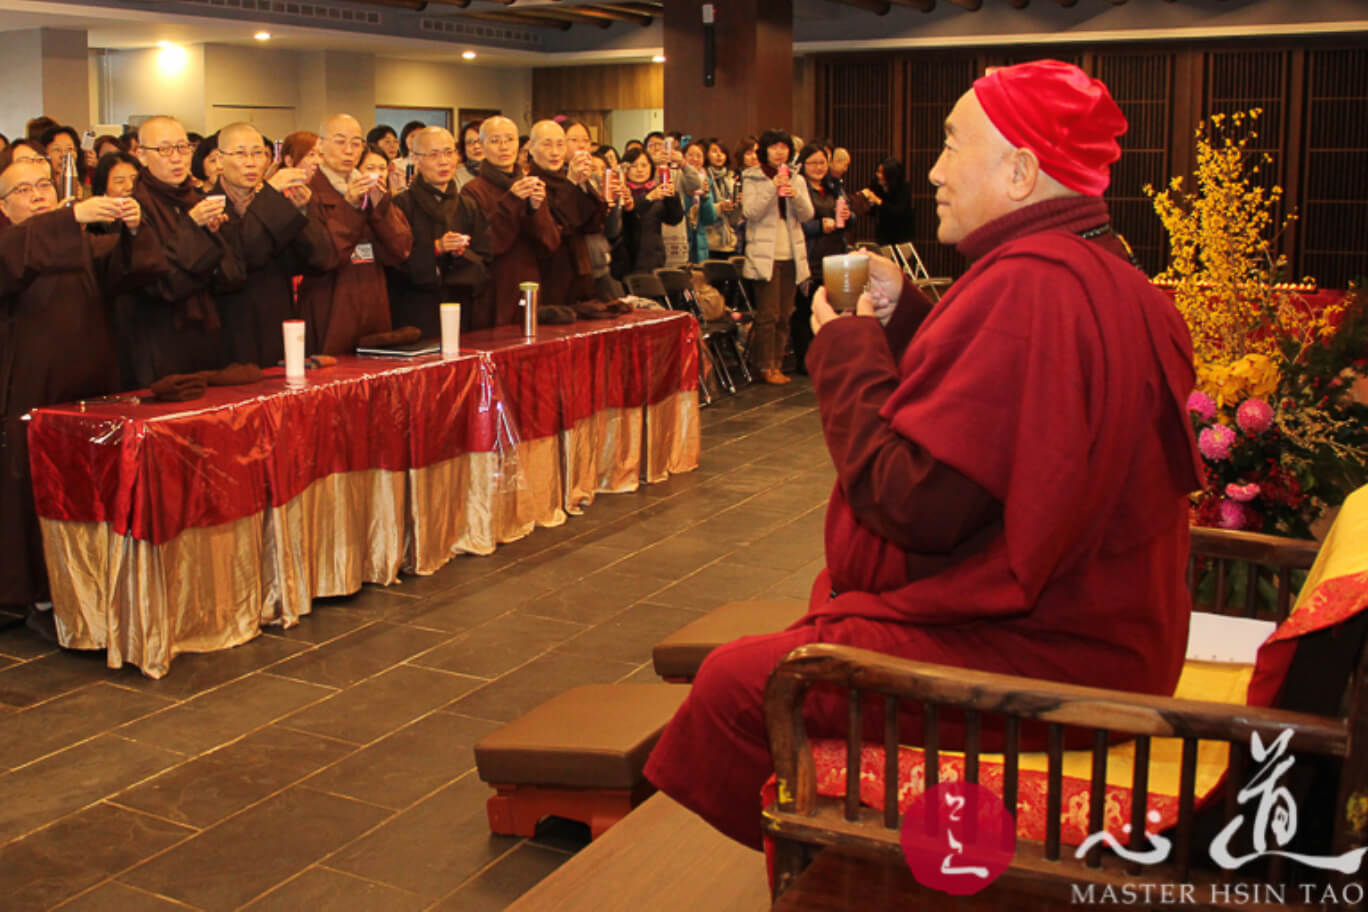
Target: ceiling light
658	58
262	36
467	55
164	44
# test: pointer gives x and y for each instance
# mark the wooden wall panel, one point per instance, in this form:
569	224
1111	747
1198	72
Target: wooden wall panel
1334	222
597	88
1314	96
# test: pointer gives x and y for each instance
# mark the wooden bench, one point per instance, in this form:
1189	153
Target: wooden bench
662	857
677	657
579	755
1323	703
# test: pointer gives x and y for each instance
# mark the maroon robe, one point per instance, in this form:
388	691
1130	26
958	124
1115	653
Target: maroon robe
1011	497
510	237
56	345
349	299
567	275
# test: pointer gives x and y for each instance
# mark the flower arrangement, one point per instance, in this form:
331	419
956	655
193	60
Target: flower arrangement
1279	405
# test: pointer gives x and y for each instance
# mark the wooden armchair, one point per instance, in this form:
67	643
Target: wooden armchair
1323	703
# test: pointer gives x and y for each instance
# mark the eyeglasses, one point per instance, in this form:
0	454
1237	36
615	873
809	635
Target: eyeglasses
439	154
502	140
166	150
29	191
346	142
242	155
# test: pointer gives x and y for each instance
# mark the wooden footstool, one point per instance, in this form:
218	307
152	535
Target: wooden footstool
579	755
678	656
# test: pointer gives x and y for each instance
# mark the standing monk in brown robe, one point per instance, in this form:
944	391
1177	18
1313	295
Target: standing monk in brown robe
173	326
442	267
567	275
55	338
367	233
269	229
509	226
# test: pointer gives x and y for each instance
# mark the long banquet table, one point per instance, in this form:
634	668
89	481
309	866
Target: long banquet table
184	527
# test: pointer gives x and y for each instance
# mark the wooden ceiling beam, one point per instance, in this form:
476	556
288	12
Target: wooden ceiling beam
607	11
877	7
925	6
633	13
463	4
520	19
574	16
972	6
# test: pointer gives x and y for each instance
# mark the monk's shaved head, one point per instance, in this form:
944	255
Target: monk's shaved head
341	143
546	145
499	137
431	138
340	123
239	134
154	130
544	129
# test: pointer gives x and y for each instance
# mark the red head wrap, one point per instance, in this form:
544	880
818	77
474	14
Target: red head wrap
1064	116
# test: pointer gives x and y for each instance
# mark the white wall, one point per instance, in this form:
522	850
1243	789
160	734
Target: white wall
158	81
414	83
633	123
239	79
21	73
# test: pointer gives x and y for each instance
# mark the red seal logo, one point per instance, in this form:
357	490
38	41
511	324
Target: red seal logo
958	838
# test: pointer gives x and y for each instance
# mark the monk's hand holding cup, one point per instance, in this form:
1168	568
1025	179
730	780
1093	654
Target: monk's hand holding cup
97	209
206	211
358	187
285	178
131	213
885	284
522	187
452	242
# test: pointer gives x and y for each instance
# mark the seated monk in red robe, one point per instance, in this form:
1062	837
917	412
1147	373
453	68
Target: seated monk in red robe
1013	463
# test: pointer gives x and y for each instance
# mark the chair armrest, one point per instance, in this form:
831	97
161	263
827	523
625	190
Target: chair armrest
1255	547
1025	698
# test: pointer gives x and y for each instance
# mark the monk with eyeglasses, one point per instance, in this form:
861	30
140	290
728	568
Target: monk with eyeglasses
56	344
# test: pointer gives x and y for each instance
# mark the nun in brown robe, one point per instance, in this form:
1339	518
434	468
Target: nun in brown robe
349	299
56	345
567	274
510	226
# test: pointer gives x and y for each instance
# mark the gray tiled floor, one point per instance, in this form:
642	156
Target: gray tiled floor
330	766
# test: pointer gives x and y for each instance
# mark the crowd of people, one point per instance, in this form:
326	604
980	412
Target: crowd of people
165	258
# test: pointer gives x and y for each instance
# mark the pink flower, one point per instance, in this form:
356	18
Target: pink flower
1243	493
1254	416
1215	442
1202	405
1233	515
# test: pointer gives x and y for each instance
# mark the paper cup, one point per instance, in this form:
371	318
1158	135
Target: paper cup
451	329
294	349
844	275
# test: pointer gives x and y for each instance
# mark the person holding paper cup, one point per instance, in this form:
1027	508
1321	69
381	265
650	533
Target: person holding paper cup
366	232
174	325
775	206
442	266
267	224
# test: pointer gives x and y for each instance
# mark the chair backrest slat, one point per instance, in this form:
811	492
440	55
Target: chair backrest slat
1251	601
854	742
931	744
1222	566
972	725
1187	799
1139	842
1011	733
891	783
1097	793
1054	788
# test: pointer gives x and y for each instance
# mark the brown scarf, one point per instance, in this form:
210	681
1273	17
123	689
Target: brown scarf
241	199
162	207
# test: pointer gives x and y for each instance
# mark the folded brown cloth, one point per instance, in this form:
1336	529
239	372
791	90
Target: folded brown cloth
590	309
232	375
401	336
178	388
555	315
620	306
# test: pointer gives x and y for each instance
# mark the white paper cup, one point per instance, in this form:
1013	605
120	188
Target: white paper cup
451	328
294	349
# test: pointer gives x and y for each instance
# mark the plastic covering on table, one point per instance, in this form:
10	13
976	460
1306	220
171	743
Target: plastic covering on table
182	527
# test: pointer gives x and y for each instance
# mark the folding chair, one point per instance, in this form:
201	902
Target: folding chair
917	272
719	336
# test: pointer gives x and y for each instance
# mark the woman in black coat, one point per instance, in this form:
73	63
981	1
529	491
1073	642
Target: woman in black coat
890	201
650	208
823	239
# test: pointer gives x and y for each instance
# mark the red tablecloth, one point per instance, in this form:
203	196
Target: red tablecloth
182	527
154	469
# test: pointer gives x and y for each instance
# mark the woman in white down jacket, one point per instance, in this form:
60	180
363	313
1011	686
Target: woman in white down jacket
775	205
